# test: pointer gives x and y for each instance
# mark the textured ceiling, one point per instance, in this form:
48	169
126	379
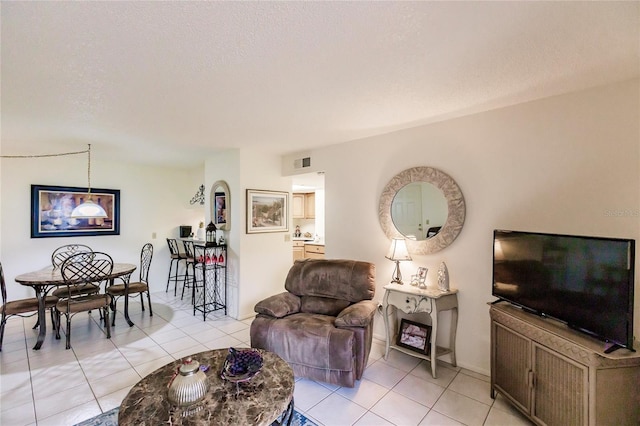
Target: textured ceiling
171	82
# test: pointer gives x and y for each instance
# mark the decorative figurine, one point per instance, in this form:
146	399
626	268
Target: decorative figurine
297	233
200	232
422	277
443	277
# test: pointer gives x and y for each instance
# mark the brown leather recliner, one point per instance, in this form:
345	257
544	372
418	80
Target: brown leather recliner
323	324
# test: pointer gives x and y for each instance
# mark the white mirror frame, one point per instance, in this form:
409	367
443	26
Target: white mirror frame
212	203
455	204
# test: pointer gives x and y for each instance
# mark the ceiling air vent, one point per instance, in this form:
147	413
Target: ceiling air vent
301	163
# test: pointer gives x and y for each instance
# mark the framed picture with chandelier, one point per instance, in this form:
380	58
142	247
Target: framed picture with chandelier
57	211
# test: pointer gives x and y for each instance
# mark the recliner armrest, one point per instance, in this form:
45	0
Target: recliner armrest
279	305
359	314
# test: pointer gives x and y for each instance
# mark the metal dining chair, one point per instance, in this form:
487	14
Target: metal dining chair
57	259
79	270
142	286
22	307
174	266
62	253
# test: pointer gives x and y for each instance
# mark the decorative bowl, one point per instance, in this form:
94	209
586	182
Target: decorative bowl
241	365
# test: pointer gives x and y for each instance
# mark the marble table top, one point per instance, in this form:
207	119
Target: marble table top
53	276
257	402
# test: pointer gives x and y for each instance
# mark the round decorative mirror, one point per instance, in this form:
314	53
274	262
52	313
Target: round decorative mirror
221	205
425	206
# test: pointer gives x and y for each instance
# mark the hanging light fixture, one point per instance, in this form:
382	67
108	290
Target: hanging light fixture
88	209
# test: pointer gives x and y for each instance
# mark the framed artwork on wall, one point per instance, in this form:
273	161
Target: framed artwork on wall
220	210
267	211
415	336
51	208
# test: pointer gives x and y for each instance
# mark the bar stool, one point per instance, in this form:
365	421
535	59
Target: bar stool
190	278
176	258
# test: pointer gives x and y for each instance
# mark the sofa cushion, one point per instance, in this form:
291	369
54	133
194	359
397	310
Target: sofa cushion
357	315
279	305
306	339
350	280
322	305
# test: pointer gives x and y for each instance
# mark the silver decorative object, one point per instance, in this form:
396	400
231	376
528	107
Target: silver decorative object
189	385
443	277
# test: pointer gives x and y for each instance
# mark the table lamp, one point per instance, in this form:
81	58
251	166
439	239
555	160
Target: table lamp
397	252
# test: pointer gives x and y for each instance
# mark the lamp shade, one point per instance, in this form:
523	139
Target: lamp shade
88	209
398	250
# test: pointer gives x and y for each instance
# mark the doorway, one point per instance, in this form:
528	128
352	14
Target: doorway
308	208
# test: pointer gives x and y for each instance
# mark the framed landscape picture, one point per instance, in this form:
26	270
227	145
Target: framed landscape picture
267	211
51	208
415	336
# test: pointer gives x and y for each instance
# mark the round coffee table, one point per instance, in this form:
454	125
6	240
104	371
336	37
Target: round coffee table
266	398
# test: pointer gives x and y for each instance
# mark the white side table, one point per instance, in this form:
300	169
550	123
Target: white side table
413	300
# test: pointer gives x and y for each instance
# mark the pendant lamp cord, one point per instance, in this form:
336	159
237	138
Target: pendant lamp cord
89	172
50	155
62	154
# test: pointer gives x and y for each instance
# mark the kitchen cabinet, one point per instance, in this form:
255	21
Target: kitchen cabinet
298	250
304	205
310	205
297	205
313	251
558	376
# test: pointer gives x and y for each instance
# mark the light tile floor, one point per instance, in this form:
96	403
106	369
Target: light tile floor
54	386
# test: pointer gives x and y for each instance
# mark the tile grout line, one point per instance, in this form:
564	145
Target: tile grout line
33	397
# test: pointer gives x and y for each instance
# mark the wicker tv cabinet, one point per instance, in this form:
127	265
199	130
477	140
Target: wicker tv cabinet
558	376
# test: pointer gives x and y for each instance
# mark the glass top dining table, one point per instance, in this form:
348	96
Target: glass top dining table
47	278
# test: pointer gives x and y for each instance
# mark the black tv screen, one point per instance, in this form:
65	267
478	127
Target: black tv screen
585	282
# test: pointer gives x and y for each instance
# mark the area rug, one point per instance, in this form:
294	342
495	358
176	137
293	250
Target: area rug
110	418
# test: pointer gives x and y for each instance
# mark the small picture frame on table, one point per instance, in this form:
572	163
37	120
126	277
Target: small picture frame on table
420	278
415	336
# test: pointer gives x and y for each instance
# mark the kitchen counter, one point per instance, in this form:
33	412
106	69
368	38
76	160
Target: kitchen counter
314	243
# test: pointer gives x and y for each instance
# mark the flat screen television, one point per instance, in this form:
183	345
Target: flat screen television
585	282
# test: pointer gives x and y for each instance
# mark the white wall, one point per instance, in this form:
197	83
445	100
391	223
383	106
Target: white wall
226	167
554	165
153	199
257	263
319	214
